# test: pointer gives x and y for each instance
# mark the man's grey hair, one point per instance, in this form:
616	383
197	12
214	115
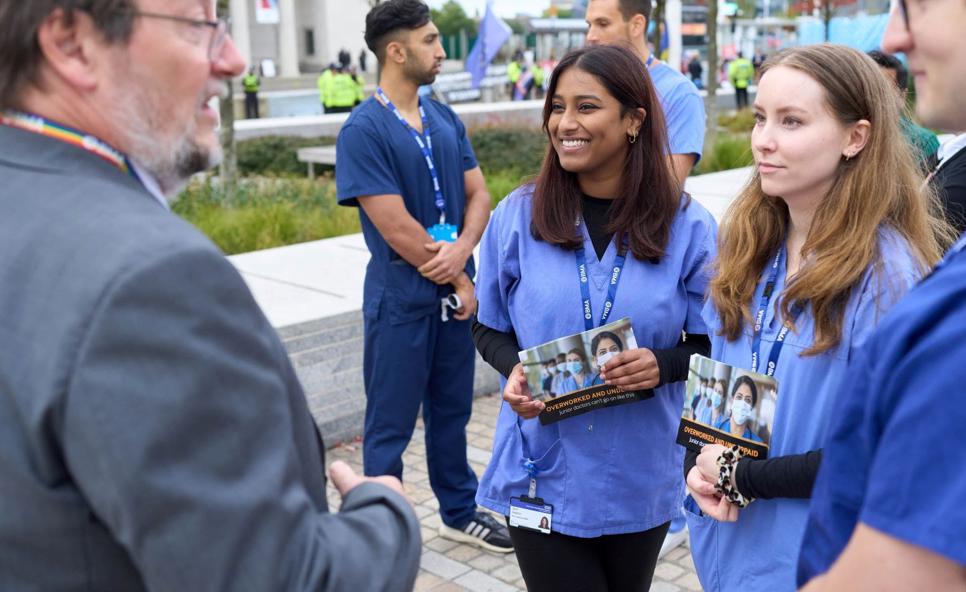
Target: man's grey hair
20	21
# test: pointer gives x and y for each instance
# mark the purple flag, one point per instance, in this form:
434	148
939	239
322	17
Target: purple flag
493	34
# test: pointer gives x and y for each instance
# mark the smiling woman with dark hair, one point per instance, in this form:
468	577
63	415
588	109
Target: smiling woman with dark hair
604	232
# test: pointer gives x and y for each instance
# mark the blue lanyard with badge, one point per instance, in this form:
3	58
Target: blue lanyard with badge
531	512
440	231
776	348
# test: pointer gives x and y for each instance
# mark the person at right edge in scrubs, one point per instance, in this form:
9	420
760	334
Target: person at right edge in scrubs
887	512
830	232
605	192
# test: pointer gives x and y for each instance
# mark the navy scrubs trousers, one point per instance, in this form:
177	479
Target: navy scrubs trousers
430	362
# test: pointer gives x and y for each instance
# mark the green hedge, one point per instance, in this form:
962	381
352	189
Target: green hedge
730	151
264	213
276	205
507	149
275	155
737	122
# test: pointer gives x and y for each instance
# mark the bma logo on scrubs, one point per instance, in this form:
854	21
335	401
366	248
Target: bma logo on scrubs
613	276
758	320
583	273
587	314
607	307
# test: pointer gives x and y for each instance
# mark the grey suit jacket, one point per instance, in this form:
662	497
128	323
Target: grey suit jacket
152	432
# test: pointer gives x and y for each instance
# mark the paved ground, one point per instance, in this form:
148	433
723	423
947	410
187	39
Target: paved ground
452	566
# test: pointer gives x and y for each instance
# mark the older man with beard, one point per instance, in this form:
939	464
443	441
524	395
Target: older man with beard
152	432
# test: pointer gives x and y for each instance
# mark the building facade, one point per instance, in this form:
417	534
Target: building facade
300	36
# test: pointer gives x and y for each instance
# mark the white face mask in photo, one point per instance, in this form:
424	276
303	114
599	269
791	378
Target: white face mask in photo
741	412
602	358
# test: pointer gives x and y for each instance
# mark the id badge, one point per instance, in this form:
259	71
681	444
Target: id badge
531	514
443	232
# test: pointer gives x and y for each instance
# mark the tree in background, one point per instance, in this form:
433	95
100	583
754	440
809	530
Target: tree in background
657	17
711	101
228	169
451	19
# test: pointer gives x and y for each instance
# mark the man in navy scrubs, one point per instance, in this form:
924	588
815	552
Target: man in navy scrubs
406	162
887	509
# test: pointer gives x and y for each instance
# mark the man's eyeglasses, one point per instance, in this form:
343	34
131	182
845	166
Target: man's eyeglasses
218	28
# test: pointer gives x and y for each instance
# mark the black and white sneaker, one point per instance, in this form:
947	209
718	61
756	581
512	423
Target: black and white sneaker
483	531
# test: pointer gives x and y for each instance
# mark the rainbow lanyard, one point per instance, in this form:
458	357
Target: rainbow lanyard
39	125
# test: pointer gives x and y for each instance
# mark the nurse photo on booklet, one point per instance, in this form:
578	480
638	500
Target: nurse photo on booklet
739	411
603	234
582	389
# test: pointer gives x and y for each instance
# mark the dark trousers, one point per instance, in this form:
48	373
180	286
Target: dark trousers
251	105
612	563
741	97
428	362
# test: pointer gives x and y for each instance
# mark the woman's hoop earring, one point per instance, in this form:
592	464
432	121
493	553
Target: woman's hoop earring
631	138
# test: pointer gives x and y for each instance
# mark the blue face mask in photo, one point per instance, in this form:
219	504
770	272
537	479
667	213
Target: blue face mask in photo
561	367
575	367
715	399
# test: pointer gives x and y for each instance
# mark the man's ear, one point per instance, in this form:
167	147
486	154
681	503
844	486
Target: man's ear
396	52
72	48
637	25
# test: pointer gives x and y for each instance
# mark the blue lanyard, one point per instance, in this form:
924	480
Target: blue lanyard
615	278
776	348
649	62
425	146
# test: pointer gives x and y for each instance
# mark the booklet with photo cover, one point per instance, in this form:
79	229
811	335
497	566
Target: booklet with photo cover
565	373
727	405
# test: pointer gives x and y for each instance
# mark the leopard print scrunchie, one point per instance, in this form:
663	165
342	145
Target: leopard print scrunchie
727	461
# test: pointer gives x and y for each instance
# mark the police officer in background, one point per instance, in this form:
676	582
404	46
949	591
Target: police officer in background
740	73
251	83
325	84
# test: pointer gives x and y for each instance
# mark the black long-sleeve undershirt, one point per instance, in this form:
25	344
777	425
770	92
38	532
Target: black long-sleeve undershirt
791	476
500	350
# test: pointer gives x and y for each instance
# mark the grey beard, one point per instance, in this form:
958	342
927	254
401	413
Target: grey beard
171	165
171	160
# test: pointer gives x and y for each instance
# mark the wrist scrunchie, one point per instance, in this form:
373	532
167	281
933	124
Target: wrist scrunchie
727	461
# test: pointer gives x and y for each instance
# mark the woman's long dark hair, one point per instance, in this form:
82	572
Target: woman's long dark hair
649	193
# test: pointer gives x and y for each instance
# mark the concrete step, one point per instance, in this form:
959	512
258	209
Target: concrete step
315	335
327	357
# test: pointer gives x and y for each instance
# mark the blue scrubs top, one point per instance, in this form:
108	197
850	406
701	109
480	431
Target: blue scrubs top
683	109
570	383
705	412
897	444
378	156
725	426
613	470
759	552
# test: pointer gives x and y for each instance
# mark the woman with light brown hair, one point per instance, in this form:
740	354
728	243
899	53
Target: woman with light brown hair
830	232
